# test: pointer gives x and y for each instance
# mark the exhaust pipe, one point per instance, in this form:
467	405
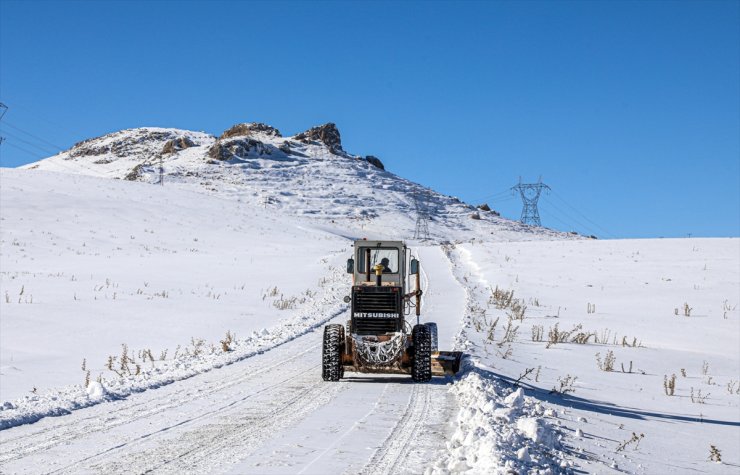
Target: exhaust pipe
379	275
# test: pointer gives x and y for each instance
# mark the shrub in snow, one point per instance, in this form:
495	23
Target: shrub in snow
714	454
669	385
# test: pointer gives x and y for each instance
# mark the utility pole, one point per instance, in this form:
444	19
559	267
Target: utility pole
422	217
530	193
161	171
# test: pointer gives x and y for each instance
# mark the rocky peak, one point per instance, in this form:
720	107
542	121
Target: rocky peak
328	134
250	128
123	143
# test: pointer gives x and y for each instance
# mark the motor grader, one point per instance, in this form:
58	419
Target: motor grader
379	338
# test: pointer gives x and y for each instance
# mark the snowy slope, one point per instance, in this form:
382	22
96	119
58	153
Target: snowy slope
594	331
249	236
91	264
304	175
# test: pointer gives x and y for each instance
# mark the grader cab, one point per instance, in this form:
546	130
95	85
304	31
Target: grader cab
379	338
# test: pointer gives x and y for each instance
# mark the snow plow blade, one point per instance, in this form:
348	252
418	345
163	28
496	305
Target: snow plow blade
446	363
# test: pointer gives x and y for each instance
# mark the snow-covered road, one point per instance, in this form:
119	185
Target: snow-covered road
584	356
270	413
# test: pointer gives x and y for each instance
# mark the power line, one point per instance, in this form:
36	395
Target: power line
503	200
583	215
60	162
491	196
78	163
552	215
3	110
56	147
38	117
30	143
10	144
573	219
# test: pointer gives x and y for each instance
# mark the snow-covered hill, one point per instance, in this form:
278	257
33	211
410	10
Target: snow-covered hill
308	174
163	323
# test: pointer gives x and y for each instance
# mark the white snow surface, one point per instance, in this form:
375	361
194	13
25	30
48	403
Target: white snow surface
94	266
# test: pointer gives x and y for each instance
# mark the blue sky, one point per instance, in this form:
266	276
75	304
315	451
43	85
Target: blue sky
630	111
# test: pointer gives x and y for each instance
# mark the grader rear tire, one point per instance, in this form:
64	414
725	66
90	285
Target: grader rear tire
331	368
421	365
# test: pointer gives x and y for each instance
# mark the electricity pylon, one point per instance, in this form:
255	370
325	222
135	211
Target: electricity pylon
422	217
530	193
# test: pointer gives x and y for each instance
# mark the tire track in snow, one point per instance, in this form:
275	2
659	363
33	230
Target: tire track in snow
391	455
63	431
105	434
346	433
225	441
429	405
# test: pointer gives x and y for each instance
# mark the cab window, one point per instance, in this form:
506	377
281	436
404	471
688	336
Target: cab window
386	256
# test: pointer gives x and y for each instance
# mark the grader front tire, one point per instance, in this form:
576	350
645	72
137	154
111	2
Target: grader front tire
434	335
331	368
421	366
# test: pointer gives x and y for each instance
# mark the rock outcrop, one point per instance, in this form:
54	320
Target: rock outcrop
373	160
177	144
120	144
135	173
237	147
328	134
250	128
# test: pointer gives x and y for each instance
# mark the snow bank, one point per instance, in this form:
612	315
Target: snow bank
56	402
499	431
